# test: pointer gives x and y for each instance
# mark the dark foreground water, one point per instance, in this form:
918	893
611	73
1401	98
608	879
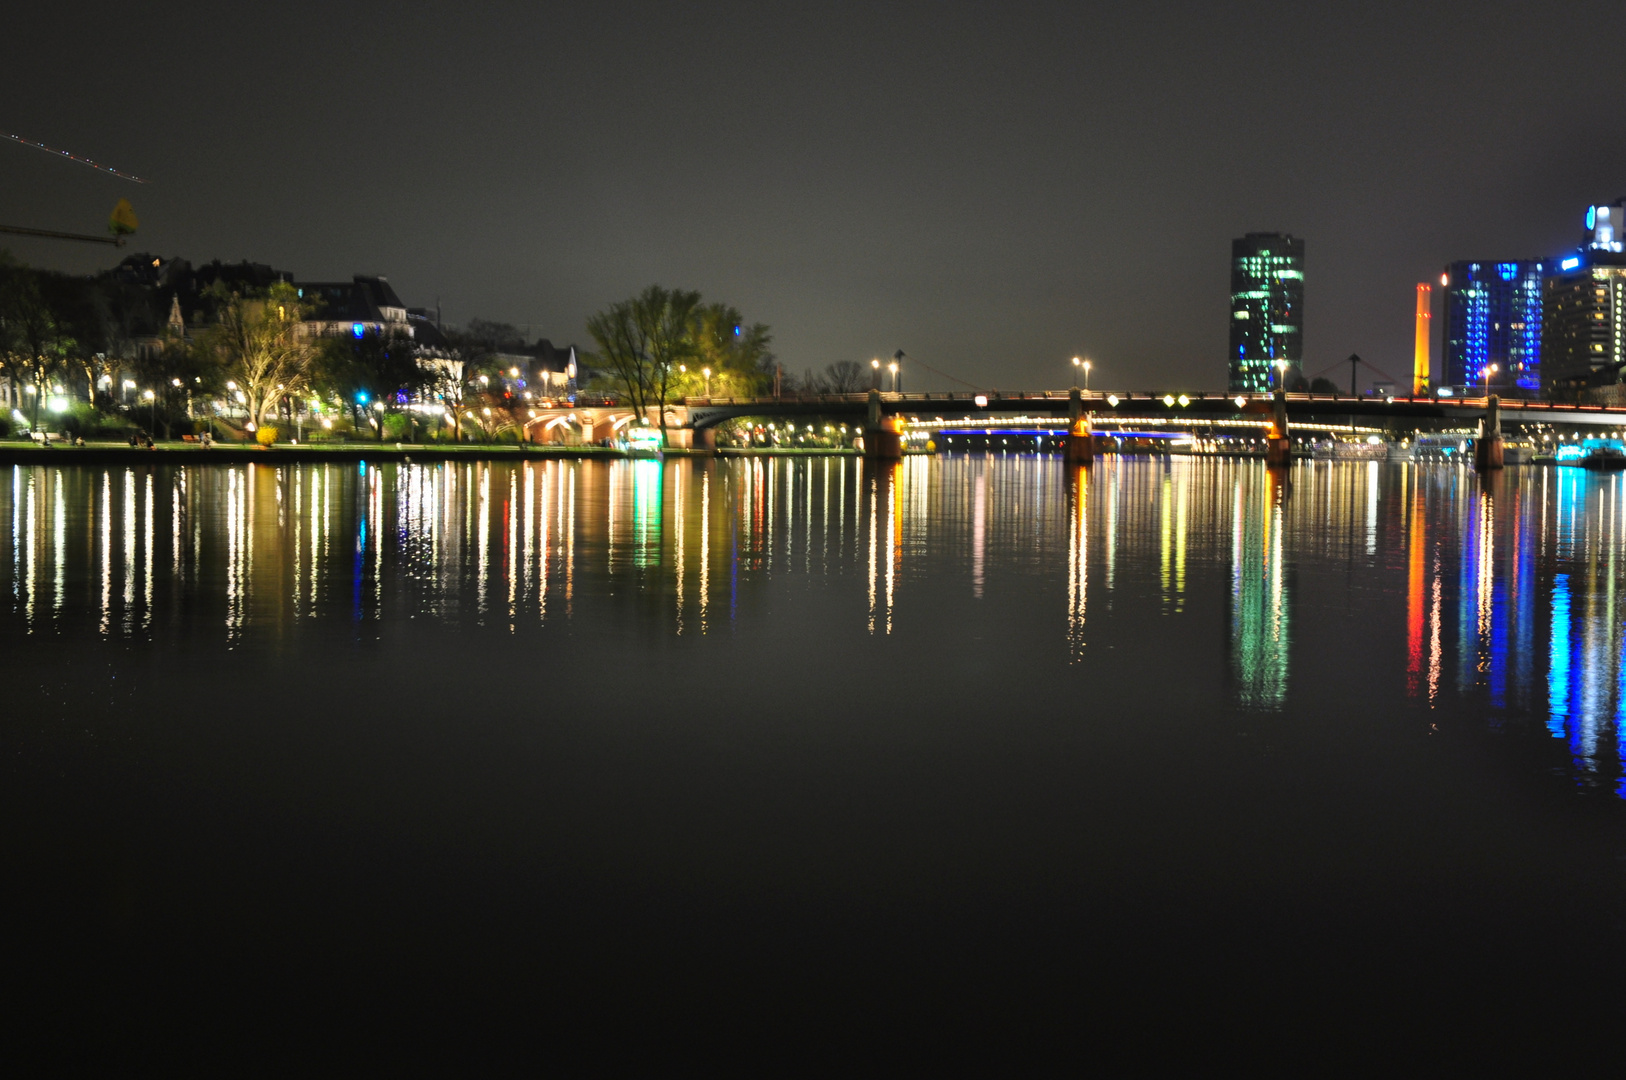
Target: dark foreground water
811	763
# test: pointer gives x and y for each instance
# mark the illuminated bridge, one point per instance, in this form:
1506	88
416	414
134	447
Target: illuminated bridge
693	420
1417	412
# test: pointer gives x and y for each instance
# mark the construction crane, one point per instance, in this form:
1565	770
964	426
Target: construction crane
120	224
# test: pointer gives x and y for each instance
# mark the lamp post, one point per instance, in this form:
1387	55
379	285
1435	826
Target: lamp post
1490	369
1281	372
1077	363
893	368
705	373
875	367
1086	366
152	404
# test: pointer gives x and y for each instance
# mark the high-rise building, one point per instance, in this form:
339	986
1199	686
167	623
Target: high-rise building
1420	364
1267	311
1584	307
1492	315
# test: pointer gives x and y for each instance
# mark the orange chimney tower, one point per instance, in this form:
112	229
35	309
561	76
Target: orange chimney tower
1420	358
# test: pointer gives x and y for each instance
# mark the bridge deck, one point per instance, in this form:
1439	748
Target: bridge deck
705	412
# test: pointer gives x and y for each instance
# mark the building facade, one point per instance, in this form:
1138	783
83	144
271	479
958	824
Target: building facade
1584	308
1492	316
1267	312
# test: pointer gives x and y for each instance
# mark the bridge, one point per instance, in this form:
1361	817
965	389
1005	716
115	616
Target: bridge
692	421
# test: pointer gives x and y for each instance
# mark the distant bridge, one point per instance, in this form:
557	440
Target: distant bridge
703	412
692	420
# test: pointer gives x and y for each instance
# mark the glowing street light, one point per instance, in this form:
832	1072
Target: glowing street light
1077	363
1490	369
706	373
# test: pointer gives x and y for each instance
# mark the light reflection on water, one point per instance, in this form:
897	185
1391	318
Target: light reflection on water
1504	590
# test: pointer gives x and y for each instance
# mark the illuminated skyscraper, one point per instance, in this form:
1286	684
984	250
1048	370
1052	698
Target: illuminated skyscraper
1584	307
1492	314
1267	310
1420	374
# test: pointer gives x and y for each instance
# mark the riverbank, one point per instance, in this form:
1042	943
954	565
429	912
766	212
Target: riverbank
23	453
237	453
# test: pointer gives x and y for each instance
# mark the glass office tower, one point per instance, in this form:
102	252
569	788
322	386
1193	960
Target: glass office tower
1492	315
1267	311
1584	313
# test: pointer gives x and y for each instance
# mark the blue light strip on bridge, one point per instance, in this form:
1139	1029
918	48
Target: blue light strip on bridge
1058	432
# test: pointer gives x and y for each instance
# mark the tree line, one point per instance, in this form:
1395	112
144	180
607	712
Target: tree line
254	351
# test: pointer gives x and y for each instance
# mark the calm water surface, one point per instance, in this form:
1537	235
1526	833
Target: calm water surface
783	758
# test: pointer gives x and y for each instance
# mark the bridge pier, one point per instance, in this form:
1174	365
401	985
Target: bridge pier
1278	447
1488	447
1080	446
883	441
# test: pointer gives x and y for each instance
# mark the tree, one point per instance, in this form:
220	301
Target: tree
177	374
377	372
122	313
842	377
738	356
75	304
262	345
462	384
36	342
1323	385
483	337
644	341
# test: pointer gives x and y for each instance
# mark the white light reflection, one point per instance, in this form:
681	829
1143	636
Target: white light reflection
129	550
705	547
677	548
1078	566
107	553
874	498
979	525
147	569
59	545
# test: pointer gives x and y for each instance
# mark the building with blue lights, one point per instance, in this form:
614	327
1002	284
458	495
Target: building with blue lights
1267	311
1492	316
1584	308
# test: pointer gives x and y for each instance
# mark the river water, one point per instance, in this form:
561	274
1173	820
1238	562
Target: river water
793	759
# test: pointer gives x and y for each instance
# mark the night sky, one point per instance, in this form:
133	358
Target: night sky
992	188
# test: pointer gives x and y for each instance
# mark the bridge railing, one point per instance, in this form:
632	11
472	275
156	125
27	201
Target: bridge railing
996	398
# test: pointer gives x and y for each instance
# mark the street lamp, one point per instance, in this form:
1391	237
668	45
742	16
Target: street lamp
1086	366
1490	369
1281	372
1077	363
893	368
706	373
875	366
152	402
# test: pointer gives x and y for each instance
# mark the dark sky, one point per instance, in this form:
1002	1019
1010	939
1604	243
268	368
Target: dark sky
991	188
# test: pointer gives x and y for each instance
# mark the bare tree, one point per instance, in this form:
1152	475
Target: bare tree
264	347
643	342
842	377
